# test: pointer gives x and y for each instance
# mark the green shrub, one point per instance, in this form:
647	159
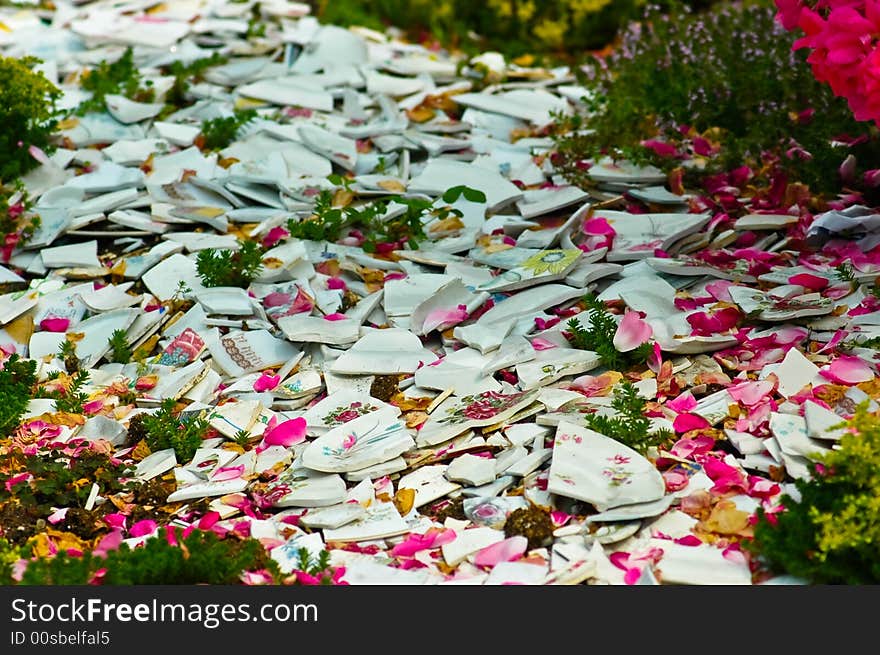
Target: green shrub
512	26
17	379
27	115
165	429
727	76
830	534
199	558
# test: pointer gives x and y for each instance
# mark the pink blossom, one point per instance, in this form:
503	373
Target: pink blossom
414	543
115	520
685	402
721	321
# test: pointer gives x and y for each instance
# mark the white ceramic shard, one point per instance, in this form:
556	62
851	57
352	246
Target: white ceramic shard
128	111
443	174
822	423
301	487
471	469
334	516
381	521
384	352
429	483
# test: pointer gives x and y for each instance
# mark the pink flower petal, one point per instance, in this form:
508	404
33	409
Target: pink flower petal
208	520
143	528
719	290
227	473
93	407
444	318
289	433
540	343
675	480
110	541
38	154
415	542
336	283
721	321
809	281
685	402
632	332
115	520
686	448
750	393
847	369
336	316
55	324
58	515
266	382
503	551
687	422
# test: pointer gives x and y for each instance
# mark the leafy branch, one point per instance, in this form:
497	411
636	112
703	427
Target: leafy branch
599	337
630	425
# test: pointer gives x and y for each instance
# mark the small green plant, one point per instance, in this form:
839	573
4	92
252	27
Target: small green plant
28	115
184	74
120	77
829	535
330	223
9	555
165	429
67	354
599	337
845	272
70	398
199	558
242	438
17	379
312	570
120	351
630	425
230	268
217	133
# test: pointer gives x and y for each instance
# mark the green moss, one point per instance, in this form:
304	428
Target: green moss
165	429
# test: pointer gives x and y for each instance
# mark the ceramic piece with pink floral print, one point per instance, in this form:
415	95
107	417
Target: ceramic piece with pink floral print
357	444
343	406
591	467
460	414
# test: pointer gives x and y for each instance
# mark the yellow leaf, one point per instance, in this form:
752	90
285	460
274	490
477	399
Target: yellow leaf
450	224
404	500
406	404
67	124
420	114
342	198
140	451
726	519
414	419
391	185
60	542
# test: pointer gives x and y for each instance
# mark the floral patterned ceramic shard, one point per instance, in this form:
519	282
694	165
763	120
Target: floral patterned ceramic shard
241	352
300	487
591	467
343	406
550	365
457	415
545	266
360	443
